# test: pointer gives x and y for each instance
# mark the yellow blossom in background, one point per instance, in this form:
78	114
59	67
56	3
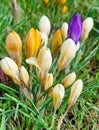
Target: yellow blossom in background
64	9
56	41
14	47
46	1
62	2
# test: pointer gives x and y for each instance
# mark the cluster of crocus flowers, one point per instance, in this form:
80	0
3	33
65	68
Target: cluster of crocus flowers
39	55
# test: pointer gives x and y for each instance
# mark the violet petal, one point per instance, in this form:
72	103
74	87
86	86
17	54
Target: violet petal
75	27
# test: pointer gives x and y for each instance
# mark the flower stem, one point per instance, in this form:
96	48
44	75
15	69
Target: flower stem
53	119
31	68
62	118
56	74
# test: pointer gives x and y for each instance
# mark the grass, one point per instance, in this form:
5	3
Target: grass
14	112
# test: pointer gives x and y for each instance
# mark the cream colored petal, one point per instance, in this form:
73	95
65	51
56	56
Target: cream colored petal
24	76
75	92
32	61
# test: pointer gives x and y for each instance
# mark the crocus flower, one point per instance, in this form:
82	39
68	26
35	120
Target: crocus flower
75	92
64	30
48	81
69	79
14	47
32	42
58	95
10	68
75	27
64	9
67	53
87	27
24	79
56	41
44	25
62	2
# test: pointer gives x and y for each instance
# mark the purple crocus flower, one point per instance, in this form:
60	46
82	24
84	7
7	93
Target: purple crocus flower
75	27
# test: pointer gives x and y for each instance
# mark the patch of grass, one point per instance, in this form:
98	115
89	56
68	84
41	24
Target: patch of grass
16	113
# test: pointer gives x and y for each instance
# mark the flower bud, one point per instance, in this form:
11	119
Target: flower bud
24	76
68	50
14	47
62	2
17	12
58	95
64	9
56	41
44	58
48	81
44	38
75	27
10	68
46	1
75	92
37	41
44	25
87	27
30	43
69	79
64	30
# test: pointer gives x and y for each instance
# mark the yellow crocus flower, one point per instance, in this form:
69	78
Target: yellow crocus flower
56	41
14	47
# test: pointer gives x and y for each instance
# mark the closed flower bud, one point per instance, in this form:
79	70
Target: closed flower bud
58	95
64	9
87	27
64	30
10	68
68	50
30	43
46	1
37	41
14	47
24	76
62	2
69	79
75	92
48	81
44	58
75	27
44	25
56	41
